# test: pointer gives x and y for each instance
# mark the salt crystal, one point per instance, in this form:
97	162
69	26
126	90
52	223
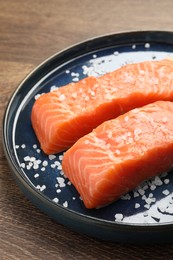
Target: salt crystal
147	45
35	166
94	56
58	190
43	169
34	146
137	205
61	157
110	135
166	181
59	167
36	175
117	151
118	216
52	88
56	200
134	46
135	194
165	120
148	200
86	141
74	95
43	187
147	206
152	187
126	119
26	158
65	204
67	71
116	53
45	163
75	79
23	146
141	191
38	150
51	156
165	192
22	165
62	97
32	159
92	93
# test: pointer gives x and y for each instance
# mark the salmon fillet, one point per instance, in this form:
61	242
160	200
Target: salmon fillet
61	117
121	153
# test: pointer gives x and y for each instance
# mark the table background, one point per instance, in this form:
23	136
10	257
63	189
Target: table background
31	31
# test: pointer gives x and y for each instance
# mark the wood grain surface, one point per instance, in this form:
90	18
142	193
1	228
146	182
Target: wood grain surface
31	31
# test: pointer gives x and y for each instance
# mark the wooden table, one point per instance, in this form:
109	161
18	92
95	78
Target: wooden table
31	31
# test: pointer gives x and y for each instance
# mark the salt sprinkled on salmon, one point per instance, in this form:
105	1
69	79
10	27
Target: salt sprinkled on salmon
61	117
103	174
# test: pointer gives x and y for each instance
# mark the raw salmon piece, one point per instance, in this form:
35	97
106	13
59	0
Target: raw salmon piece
121	153
61	117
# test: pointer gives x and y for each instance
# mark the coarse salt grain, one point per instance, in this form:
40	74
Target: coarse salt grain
86	141
62	97
75	79
74	95
117	151
166	192
56	200
52	88
137	205
110	135
141	191
16	146
147	206
59	167
165	120
23	146
43	169
58	190
51	156
152	187
35	166
166	181
134	46
45	163
22	165
36	175
126	119
116	53
135	194
43	187
65	204
32	159
147	45
118	216
26	158
38	150
61	157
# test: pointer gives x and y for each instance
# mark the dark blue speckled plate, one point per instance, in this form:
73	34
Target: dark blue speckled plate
143	215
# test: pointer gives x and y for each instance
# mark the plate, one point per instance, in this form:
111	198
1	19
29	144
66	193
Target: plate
144	215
